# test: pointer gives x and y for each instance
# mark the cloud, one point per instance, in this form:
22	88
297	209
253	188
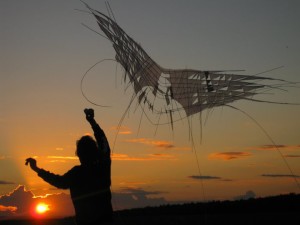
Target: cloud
6	182
150	157
122	130
247	195
229	155
22	203
197	177
154	143
280	175
205	177
61	158
161	155
275	147
8	208
270	147
119	157
140	191
18	198
129	198
292	156
60	204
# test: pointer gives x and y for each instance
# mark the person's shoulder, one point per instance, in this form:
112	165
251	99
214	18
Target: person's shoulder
75	169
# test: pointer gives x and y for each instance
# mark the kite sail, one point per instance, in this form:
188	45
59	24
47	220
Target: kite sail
177	93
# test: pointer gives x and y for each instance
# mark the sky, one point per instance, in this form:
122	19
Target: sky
46	50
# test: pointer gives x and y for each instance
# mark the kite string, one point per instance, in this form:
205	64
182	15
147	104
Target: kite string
272	141
198	168
84	76
267	71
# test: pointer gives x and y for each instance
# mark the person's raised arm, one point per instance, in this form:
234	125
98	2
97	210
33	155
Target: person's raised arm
53	179
98	132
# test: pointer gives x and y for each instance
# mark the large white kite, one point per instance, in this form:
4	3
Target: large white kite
177	93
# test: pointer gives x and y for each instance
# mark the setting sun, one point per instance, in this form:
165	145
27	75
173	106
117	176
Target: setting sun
42	208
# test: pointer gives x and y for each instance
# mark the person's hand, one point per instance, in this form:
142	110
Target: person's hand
89	114
32	163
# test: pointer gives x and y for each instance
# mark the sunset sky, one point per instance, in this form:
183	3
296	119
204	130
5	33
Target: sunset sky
45	51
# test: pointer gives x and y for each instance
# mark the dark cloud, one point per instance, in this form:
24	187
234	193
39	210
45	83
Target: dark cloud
292	156
229	155
60	204
22	203
275	147
141	191
280	175
205	177
271	147
247	195
227	180
6	182
19	198
136	198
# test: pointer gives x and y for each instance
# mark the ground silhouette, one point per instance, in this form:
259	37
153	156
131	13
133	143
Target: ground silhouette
275	210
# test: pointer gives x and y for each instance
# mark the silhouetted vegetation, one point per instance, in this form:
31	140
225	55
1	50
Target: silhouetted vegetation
281	203
283	209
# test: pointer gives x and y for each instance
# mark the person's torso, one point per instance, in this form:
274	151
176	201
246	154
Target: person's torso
90	192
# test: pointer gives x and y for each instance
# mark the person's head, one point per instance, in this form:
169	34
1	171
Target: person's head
87	150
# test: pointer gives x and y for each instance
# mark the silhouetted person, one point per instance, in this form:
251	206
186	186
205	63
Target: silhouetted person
89	183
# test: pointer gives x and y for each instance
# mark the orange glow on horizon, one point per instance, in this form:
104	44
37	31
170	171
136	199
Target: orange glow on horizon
41	208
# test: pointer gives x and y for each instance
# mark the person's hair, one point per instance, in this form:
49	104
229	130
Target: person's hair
87	150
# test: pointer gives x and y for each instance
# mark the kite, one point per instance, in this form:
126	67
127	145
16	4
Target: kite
177	93
180	93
